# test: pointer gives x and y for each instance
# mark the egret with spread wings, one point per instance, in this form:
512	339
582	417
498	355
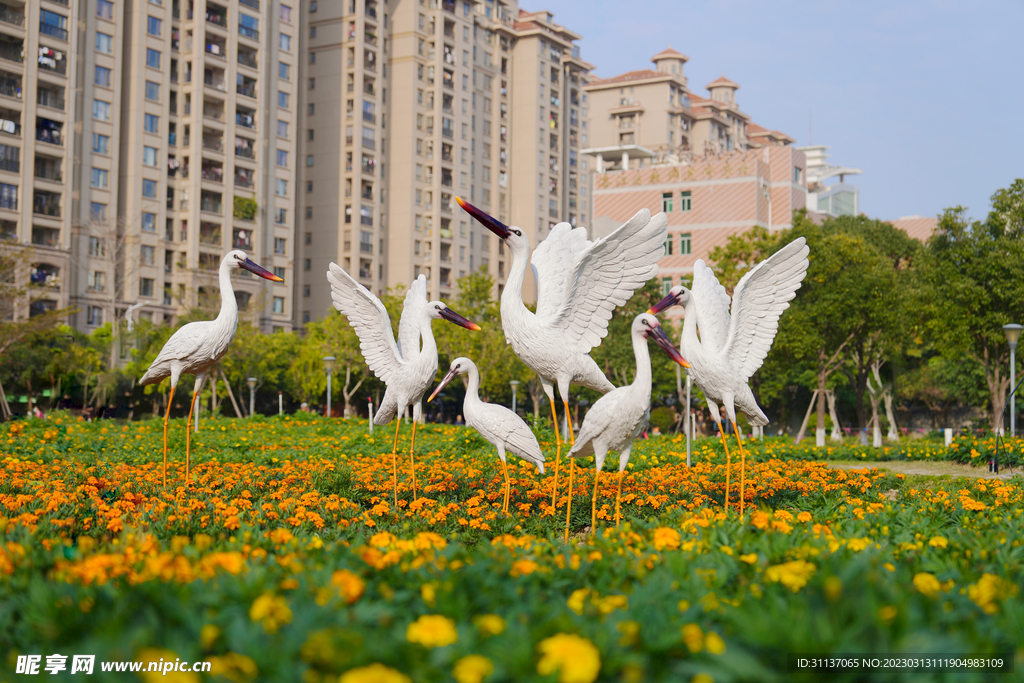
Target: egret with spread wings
197	346
733	346
579	285
405	367
497	424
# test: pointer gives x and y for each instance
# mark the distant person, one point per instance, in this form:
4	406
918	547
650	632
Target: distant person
37	412
304	407
459	420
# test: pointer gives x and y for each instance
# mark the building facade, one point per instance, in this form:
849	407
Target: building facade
409	105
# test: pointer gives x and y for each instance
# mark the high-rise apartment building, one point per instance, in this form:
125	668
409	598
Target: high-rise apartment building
408	105
165	135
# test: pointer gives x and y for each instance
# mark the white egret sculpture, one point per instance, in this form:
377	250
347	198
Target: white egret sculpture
497	424
579	285
733	346
197	346
618	417
405	367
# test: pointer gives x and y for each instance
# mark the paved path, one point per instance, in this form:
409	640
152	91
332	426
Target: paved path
929	468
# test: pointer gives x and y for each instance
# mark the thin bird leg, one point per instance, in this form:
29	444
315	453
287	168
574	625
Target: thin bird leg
618	499
167	417
412	465
558	454
394	460
505	493
188	436
568	499
593	505
743	464
568	423
728	463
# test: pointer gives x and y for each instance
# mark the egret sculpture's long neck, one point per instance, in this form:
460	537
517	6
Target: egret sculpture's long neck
429	348
472	378
228	306
512	306
689	344
643	361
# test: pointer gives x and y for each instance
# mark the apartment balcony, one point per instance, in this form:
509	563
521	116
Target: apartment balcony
244	178
248	58
213	111
365	273
246	86
10	161
12	15
248	32
209	233
12	49
9	202
212	172
214	144
52	98
214	79
369	143
366	248
46	237
211	203
246	118
53	61
242	239
255	4
46	203
55	31
245	148
10	85
217	16
216	47
49	169
50	132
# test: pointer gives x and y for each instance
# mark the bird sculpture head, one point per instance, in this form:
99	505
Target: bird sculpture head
647	325
515	238
238	259
459	366
438	309
678	295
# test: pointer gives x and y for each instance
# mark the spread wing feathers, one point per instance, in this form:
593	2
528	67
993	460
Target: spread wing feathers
552	263
607	273
185	345
712	302
760	298
412	316
505	426
369	319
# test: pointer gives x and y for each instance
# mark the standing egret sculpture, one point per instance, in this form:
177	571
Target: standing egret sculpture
579	284
619	416
197	346
732	347
405	368
497	424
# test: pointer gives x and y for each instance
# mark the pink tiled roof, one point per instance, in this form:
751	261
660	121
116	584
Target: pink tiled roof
721	81
639	75
669	53
918	227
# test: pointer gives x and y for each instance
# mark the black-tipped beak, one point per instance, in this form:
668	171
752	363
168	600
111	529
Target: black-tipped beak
451	316
257	269
492	224
667	302
447	378
662	340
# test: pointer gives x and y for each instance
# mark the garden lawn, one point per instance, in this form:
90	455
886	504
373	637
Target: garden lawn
287	560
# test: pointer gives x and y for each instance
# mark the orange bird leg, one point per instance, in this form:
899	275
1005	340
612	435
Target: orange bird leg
618	499
728	464
394	459
412	465
568	499
188	437
568	423
593	505
558	454
170	399
505	492
743	464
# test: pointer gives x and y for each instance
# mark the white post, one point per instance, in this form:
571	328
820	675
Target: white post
280	404
370	409
252	400
625	161
688	413
948	433
197	413
1013	396
328	394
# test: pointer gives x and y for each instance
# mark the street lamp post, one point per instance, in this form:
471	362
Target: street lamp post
252	394
515	385
329	367
1012	335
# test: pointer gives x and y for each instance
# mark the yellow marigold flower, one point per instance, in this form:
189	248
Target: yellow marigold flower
749	559
350	586
804	516
759	519
574	658
281	536
887	613
610	603
702	678
208	635
272	610
234	667
714	643
890	566
472	669
382	540
428	593
665	538
858	544
693	636
629	630
523	567
490	624
375	673
432	630
576	600
155	655
833	588
926	583
987	590
938	542
793	575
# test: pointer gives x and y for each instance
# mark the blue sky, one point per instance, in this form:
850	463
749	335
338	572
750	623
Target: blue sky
927	98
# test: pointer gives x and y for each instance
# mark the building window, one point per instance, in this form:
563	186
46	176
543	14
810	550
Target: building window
100	144
684	201
147	255
282	187
666	201
286	13
312	84
149	222
278	304
309	160
668	246
280	244
684	243
285	43
98	214
152	124
797	173
312	58
309	212
146	286
149	188
666	284
102	76
104	43
99	178
282	99
281	216
284	71
152	91
307	264
105	10
282	158
149	156
101	110
94	314
154	26
152	58
279	271
282	129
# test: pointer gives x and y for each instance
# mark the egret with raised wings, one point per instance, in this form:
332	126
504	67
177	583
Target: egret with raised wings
618	417
733	346
197	346
497	424
405	367
579	285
